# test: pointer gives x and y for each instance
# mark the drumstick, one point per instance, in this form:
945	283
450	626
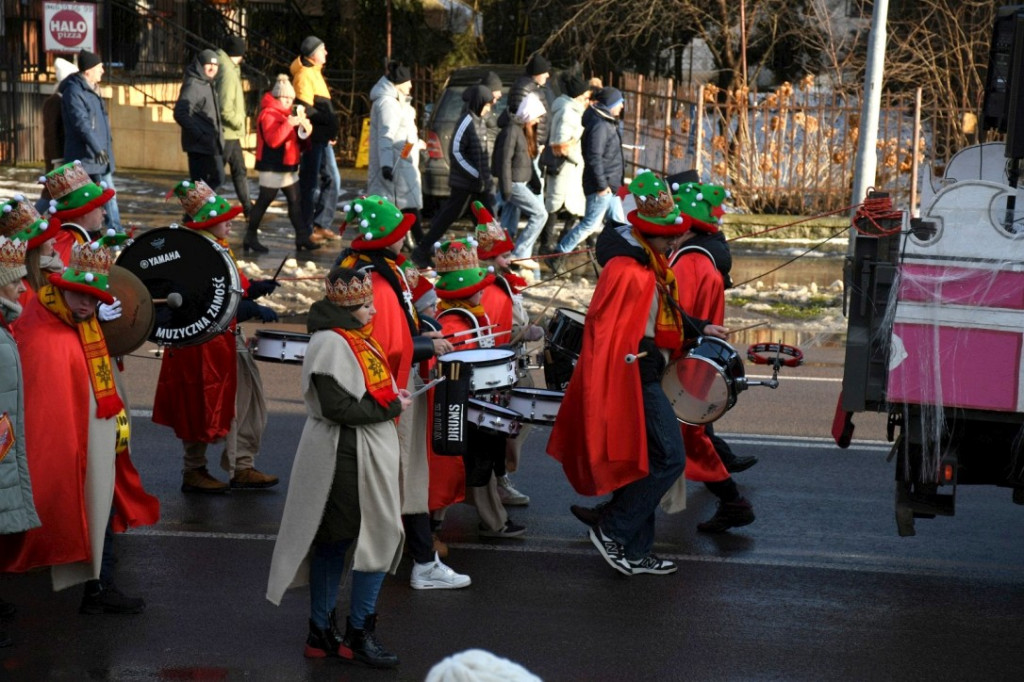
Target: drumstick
425	387
279	267
630	358
749	326
477	339
468	331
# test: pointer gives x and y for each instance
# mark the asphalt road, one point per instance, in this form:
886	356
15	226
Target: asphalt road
820	587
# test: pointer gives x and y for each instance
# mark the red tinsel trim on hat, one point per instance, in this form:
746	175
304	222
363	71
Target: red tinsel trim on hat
465	292
657	230
62	283
361	244
69	213
52	227
504	246
222	218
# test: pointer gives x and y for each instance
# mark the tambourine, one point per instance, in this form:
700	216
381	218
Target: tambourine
767	353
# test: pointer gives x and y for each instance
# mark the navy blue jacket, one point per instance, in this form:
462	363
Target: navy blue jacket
603	165
86	125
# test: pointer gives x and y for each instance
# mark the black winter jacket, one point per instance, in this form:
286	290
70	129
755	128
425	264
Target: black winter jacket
512	161
603	166
523	86
470	151
197	113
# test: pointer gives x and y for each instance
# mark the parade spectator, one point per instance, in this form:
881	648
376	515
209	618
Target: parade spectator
518	182
87	136
395	144
84	484
212	392
17	510
344	486
632	447
198	114
407	341
279	138
231	103
603	168
53	118
470	178
312	93
538	70
562	162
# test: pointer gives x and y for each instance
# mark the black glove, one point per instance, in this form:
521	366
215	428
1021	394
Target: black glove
248	309
388	174
262	287
102	158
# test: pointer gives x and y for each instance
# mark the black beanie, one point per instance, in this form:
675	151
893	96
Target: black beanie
234	46
87	60
537	65
309	45
574	86
491	81
399	73
208	57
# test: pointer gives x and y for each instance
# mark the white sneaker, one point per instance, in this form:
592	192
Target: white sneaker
436	576
509	495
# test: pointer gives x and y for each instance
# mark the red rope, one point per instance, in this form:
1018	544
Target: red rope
873	211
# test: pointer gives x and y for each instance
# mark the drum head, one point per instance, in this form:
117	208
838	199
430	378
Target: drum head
697	389
478	356
180	261
574	315
130	331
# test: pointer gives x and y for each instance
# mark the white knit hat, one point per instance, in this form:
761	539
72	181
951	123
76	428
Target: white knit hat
64	68
477	665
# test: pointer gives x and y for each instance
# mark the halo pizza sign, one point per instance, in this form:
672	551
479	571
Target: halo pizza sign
70	26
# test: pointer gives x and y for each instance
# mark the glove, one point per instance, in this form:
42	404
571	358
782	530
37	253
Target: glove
248	309
266	314
387	173
262	287
534	333
109	311
102	158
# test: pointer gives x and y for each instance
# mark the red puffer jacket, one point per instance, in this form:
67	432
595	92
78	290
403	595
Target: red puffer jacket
277	143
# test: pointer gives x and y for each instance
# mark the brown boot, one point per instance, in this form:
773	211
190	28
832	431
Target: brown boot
250	478
200	481
322	234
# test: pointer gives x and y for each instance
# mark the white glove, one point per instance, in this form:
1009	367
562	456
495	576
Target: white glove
109	311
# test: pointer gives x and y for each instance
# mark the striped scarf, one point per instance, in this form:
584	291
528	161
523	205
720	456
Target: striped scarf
371	360
668	328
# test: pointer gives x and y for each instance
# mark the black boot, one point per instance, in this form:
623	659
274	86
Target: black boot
362	645
252	243
99	598
323	643
733	514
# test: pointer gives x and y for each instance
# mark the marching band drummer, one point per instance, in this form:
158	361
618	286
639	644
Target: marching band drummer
631	447
460	286
378	232
212	392
18	216
504	306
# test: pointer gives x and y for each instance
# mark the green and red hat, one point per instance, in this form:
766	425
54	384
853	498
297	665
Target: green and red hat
458	269
74	191
376	221
204	206
88	271
12	260
19	219
419	285
702	204
656	213
492	239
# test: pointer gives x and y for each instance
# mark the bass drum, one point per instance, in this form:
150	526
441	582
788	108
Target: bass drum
176	260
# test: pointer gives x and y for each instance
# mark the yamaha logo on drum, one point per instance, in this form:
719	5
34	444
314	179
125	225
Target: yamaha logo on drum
159	260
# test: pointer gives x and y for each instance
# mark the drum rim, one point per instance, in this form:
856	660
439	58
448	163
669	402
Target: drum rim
280	335
573	310
524	391
486	406
504	357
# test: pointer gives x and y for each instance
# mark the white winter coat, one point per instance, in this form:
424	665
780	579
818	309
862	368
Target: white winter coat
566	188
392	127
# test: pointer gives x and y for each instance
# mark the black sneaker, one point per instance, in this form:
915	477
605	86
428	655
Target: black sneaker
729	515
590	516
511	529
652	564
738	464
613	552
108	599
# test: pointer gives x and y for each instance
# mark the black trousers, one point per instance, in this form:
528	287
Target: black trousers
449	212
236	162
206	167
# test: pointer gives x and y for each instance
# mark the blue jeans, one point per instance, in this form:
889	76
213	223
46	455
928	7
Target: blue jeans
593	220
325	570
629	516
113	216
536	215
328	190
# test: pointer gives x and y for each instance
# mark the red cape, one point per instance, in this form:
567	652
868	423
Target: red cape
57	392
196	392
600	436
702	295
497	301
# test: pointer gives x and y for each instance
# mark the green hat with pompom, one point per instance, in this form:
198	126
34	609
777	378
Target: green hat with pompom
376	221
204	206
702	204
89	269
458	269
656	213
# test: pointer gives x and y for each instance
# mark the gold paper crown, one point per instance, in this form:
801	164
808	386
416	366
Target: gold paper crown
358	291
195	196
659	205
65	180
91	257
12	253
491	234
458	256
20	216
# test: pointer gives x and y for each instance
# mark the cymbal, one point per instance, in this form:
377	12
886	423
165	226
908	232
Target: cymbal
130	331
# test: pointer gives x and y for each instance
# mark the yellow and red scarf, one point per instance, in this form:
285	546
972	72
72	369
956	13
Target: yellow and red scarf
372	362
97	359
357	260
477	310
668	327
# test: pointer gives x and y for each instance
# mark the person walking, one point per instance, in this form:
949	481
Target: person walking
231	102
562	162
280	135
198	114
53	118
87	136
514	155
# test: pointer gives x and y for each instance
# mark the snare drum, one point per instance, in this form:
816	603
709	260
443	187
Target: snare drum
562	347
703	385
181	261
489	368
537	405
493	418
276	346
